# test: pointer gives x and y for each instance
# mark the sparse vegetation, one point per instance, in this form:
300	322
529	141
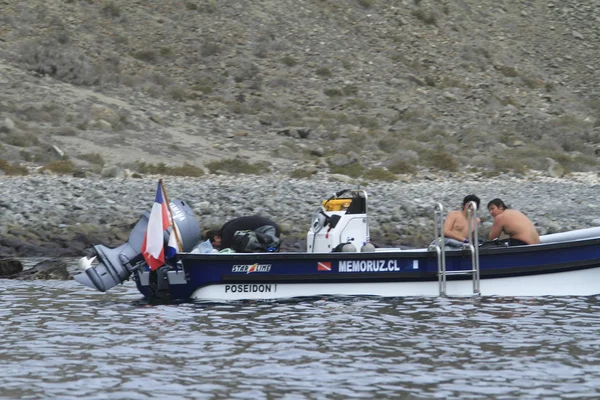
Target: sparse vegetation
426	16
59	61
379	174
12	169
20	139
366	3
93	158
402	167
300	173
332	92
191	5
323	72
162	169
236	166
111	10
441	159
60	167
369	89
509	72
354	170
289	61
210	48
146	55
66	131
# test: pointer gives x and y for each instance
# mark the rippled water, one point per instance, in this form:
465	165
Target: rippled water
61	340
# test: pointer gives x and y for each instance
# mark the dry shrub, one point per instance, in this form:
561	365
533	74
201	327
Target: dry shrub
366	3
178	93
332	92
380	174
509	72
289	61
323	72
62	62
111	10
186	170
66	131
401	167
300	173
388	144
59	167
20	138
246	71
210	48
354	170
163	169
440	159
92	158
146	55
12	169
237	166
426	16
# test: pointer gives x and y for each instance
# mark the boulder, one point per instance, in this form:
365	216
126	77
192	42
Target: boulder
52	268
9	266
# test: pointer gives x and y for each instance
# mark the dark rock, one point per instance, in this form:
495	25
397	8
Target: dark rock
48	269
9	267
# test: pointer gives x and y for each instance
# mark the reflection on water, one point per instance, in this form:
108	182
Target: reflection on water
62	340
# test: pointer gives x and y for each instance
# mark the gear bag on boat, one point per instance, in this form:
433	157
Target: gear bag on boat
262	239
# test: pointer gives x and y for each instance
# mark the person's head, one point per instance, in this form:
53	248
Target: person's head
214	236
469	199
496	207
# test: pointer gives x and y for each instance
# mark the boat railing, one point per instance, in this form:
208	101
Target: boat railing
440	246
472	246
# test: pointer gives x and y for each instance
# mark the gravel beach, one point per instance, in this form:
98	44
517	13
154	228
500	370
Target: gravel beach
48	215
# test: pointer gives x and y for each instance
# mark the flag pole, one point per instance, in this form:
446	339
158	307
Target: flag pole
175	230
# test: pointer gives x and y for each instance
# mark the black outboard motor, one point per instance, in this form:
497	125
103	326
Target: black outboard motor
116	265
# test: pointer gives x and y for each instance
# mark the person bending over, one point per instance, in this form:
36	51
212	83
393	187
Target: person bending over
214	236
513	223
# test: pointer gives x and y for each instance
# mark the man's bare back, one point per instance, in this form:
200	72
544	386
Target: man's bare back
513	223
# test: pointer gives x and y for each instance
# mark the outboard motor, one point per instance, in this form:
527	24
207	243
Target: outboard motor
116	265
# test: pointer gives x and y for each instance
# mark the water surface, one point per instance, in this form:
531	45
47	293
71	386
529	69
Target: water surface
61	340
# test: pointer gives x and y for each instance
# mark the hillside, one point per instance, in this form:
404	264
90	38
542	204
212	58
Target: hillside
359	87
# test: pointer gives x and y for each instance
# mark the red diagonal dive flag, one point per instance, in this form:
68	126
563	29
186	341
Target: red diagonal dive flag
153	246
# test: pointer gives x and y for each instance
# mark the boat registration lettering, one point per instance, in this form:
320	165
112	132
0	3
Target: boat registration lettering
368	266
251	288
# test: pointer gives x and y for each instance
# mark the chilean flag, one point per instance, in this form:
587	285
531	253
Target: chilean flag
153	248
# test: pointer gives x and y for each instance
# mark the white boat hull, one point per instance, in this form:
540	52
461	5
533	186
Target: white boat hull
575	283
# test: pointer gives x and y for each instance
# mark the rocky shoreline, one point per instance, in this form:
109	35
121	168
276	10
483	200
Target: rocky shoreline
62	216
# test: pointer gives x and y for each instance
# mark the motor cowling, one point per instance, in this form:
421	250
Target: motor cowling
116	264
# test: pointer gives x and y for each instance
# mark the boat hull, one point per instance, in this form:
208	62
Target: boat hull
581	283
553	269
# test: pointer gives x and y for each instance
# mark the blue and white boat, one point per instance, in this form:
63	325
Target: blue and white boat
564	264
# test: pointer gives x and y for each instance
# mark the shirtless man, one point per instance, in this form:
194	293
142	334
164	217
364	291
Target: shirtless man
513	223
456	227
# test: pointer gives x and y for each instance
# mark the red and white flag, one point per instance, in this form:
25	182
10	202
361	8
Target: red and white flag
153	246
324	266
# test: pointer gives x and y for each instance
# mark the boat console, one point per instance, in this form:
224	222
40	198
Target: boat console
340	224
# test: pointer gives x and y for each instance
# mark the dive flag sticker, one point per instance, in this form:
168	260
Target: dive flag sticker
324	266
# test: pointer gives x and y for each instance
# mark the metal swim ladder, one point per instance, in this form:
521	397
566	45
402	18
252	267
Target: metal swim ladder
472	246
